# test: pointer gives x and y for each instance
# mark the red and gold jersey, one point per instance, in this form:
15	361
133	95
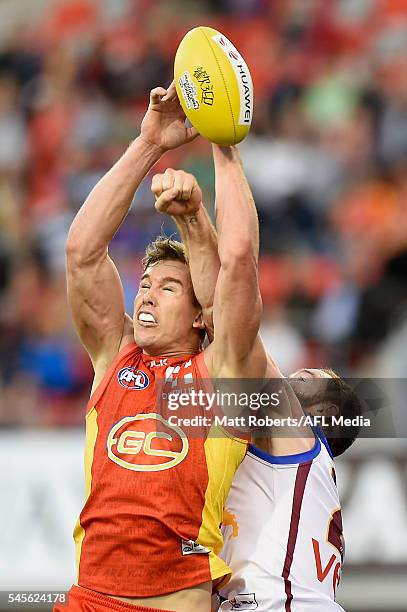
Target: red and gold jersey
155	493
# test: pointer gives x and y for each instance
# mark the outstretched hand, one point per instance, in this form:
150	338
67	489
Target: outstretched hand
177	193
164	122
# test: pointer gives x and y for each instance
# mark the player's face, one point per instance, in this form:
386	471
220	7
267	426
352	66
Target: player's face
309	385
166	316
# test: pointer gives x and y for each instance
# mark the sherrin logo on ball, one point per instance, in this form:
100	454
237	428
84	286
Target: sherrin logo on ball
214	86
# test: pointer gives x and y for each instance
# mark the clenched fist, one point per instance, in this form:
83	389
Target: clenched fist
177	193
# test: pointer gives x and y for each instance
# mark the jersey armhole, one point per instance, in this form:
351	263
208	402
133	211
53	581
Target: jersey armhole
98	392
295	459
318	431
204	374
201	365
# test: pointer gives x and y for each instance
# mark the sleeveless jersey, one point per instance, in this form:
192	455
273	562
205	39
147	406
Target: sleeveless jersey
155	493
283	533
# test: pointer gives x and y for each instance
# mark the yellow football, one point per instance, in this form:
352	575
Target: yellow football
214	86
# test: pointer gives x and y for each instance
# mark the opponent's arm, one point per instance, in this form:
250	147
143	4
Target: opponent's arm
197	234
236	349
94	288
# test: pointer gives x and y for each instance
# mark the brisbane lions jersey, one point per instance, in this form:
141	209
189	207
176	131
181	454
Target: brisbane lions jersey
155	492
283	533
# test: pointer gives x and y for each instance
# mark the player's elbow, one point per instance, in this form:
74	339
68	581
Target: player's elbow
75	239
72	246
239	260
256	313
80	252
241	345
74	251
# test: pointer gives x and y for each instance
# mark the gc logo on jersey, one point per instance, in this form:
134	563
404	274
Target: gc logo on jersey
146	443
133	379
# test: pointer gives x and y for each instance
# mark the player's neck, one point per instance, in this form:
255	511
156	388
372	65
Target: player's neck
176	351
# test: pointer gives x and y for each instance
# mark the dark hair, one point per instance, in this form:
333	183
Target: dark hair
164	248
340	393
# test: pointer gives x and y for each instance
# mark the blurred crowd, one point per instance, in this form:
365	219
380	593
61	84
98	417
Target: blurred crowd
326	159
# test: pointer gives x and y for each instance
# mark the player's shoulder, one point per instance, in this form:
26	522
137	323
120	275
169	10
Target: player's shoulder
128	333
222	365
200	361
326	449
106	364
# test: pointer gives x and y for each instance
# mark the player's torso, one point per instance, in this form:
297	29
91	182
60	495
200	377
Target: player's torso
283	534
155	492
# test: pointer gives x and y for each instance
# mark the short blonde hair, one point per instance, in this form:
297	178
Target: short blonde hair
164	248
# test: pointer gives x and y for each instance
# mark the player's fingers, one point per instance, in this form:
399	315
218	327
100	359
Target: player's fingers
184	182
171	92
187	187
191	134
165	199
168	179
157	184
179	178
156	94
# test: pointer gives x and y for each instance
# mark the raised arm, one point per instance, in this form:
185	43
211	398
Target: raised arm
179	196
236	349
197	234
200	240
94	288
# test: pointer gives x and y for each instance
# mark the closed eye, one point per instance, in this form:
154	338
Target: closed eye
168	289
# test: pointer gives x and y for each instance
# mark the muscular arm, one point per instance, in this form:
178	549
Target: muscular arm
95	291
94	288
200	240
179	196
236	349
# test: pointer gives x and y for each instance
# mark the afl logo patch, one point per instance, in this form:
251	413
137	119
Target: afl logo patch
146	443
133	379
